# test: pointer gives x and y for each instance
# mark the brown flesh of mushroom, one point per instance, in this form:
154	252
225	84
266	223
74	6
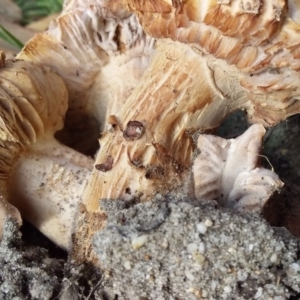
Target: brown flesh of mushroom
195	62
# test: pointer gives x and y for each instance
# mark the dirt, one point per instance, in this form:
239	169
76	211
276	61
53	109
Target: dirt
174	247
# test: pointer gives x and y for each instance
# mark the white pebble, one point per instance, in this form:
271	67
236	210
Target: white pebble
201	248
223	269
208	223
242	275
294	267
227	289
201	227
127	265
274	258
165	244
258	293
231	250
192	247
189	275
139	241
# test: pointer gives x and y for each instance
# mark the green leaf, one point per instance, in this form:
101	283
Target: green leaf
35	9
9	38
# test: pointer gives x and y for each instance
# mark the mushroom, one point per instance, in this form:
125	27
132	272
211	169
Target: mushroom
38	174
93	49
226	170
153	74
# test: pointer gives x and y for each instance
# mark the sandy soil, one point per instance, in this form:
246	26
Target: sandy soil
173	247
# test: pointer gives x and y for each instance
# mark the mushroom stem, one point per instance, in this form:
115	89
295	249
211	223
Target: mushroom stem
41	177
180	98
150	145
46	185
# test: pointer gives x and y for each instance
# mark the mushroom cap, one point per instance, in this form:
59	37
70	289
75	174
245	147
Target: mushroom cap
33	102
93	49
227	171
95	44
257	37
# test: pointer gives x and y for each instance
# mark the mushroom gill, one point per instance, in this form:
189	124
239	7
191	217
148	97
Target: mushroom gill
34	165
101	55
160	71
227	171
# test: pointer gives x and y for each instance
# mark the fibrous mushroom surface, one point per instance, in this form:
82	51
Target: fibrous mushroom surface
93	49
24	116
36	169
179	67
227	171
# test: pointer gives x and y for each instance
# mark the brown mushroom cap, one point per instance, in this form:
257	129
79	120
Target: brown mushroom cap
96	44
29	106
33	103
257	37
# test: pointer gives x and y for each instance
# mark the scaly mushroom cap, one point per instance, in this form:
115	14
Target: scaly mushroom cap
257	37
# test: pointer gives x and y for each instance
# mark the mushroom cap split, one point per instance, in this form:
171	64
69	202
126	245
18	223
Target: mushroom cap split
94	45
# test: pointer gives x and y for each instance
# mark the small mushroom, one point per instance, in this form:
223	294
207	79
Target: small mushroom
38	175
227	171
